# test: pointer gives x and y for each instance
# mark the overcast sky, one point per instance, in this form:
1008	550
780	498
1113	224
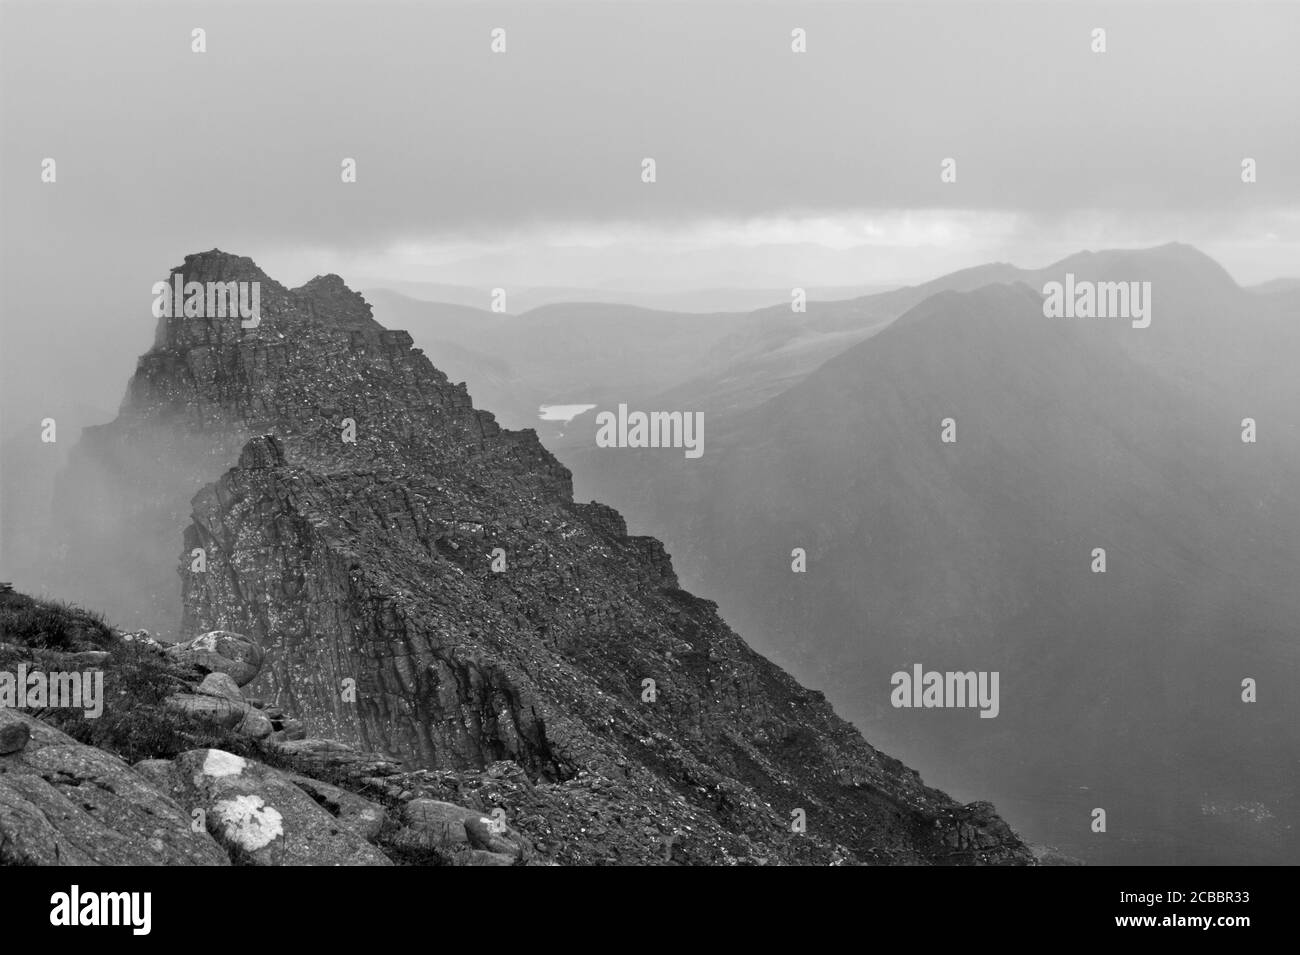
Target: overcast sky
524	168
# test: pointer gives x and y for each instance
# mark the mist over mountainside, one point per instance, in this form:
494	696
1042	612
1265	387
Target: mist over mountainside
1119	688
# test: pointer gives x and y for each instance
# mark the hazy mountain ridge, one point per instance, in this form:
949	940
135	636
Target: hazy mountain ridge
1071	434
602	352
523	300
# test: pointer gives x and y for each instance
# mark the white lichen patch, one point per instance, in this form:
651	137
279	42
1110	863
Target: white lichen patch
249	822
206	642
218	763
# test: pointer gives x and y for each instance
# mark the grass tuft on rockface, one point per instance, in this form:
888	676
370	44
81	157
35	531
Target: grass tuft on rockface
51	625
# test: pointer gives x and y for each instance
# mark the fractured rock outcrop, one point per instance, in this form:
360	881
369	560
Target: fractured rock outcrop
259	814
452	828
220	651
62	803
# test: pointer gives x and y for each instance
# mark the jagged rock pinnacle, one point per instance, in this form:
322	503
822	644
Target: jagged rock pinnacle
262	452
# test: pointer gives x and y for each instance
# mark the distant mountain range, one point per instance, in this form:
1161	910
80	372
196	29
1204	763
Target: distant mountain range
1122	689
823	432
520	301
595	352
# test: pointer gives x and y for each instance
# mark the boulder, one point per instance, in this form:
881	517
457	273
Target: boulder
431	823
331	754
359	814
362	816
210	709
62	803
157	771
255	724
14	737
260	815
142	638
290	730
976	827
222	685
221	651
238	716
492	835
86	658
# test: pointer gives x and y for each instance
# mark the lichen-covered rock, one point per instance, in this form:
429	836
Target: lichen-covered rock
363	816
220	651
221	711
85	658
258	814
221	685
62	803
330	754
142	638
255	724
433	823
465	835
210	709
480	857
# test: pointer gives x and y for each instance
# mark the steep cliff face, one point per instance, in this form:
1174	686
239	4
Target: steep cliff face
425	587
208	385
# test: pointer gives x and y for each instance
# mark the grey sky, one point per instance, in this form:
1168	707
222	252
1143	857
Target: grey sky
475	168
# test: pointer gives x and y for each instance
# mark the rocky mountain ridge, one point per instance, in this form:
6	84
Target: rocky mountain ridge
424	587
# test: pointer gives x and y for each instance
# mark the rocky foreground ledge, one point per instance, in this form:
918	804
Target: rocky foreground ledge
68	802
182	768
